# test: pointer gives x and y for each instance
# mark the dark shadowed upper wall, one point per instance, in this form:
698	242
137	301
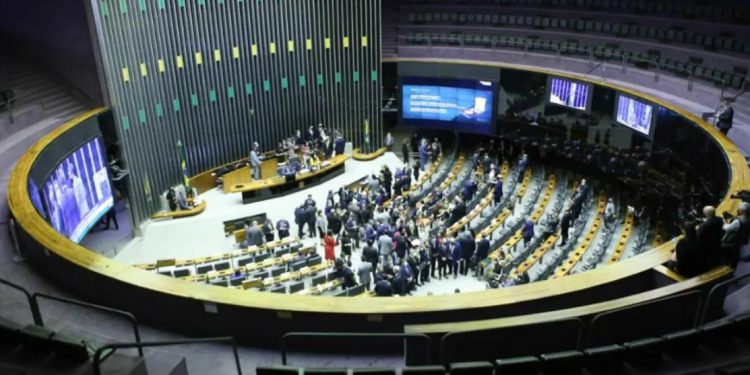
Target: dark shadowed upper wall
54	34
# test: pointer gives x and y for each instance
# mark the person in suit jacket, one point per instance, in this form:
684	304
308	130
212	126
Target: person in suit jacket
382	287
398	282
370	254
497	193
268	230
709	235
254	235
528	231
567	218
282	226
483	249
455	256
688	258
299	219
364	271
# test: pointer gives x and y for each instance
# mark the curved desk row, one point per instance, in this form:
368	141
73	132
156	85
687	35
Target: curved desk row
261	318
181	213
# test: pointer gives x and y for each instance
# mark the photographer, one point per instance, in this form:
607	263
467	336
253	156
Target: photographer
736	233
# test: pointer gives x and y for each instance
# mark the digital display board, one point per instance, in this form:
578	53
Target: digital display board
569	93
77	192
454	104
634	114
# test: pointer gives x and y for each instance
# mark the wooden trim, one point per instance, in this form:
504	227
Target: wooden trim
180	214
662	269
367	157
707	278
23	211
275	181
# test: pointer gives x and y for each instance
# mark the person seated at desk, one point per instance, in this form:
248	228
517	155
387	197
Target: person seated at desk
182	202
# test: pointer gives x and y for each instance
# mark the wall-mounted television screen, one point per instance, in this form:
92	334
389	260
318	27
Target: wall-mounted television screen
77	192
634	114
569	93
453	104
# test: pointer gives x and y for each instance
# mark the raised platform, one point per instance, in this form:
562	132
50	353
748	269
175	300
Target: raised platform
179	214
239	181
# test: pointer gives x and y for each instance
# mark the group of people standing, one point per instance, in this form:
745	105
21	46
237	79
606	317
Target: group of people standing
312	146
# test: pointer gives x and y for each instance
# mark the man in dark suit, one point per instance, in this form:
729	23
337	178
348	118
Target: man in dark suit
299	219
567	218
254	235
483	249
383	288
468	246
709	236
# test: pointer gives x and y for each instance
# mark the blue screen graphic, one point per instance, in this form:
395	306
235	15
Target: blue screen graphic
634	114
569	93
450	104
78	193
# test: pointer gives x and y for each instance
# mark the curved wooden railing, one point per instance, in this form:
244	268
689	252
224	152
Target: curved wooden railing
99	267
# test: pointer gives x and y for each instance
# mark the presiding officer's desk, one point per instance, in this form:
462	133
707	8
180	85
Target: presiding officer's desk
239	181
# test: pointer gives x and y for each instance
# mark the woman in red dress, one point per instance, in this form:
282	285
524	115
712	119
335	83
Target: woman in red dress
330	244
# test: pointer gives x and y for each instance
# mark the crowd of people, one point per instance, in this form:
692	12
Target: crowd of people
304	149
711	240
402	243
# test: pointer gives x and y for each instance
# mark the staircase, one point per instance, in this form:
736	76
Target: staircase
389	32
38	95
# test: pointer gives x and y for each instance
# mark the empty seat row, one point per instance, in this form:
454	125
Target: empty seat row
225	265
623	30
649	59
719	345
675	8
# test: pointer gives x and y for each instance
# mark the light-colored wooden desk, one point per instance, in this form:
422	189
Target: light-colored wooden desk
181	213
239	181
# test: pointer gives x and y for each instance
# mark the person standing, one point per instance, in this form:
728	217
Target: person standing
389	142
329	244
253	235
299	219
310	219
483	249
709	235
268	230
497	193
455	256
385	247
565	226
687	259
363	272
322	224
255	162
736	233
724	116
282	227
370	254
528	232
424	153
405	151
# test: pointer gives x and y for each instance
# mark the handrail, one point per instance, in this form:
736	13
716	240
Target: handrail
136	332
714	291
32	302
98	355
404	335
